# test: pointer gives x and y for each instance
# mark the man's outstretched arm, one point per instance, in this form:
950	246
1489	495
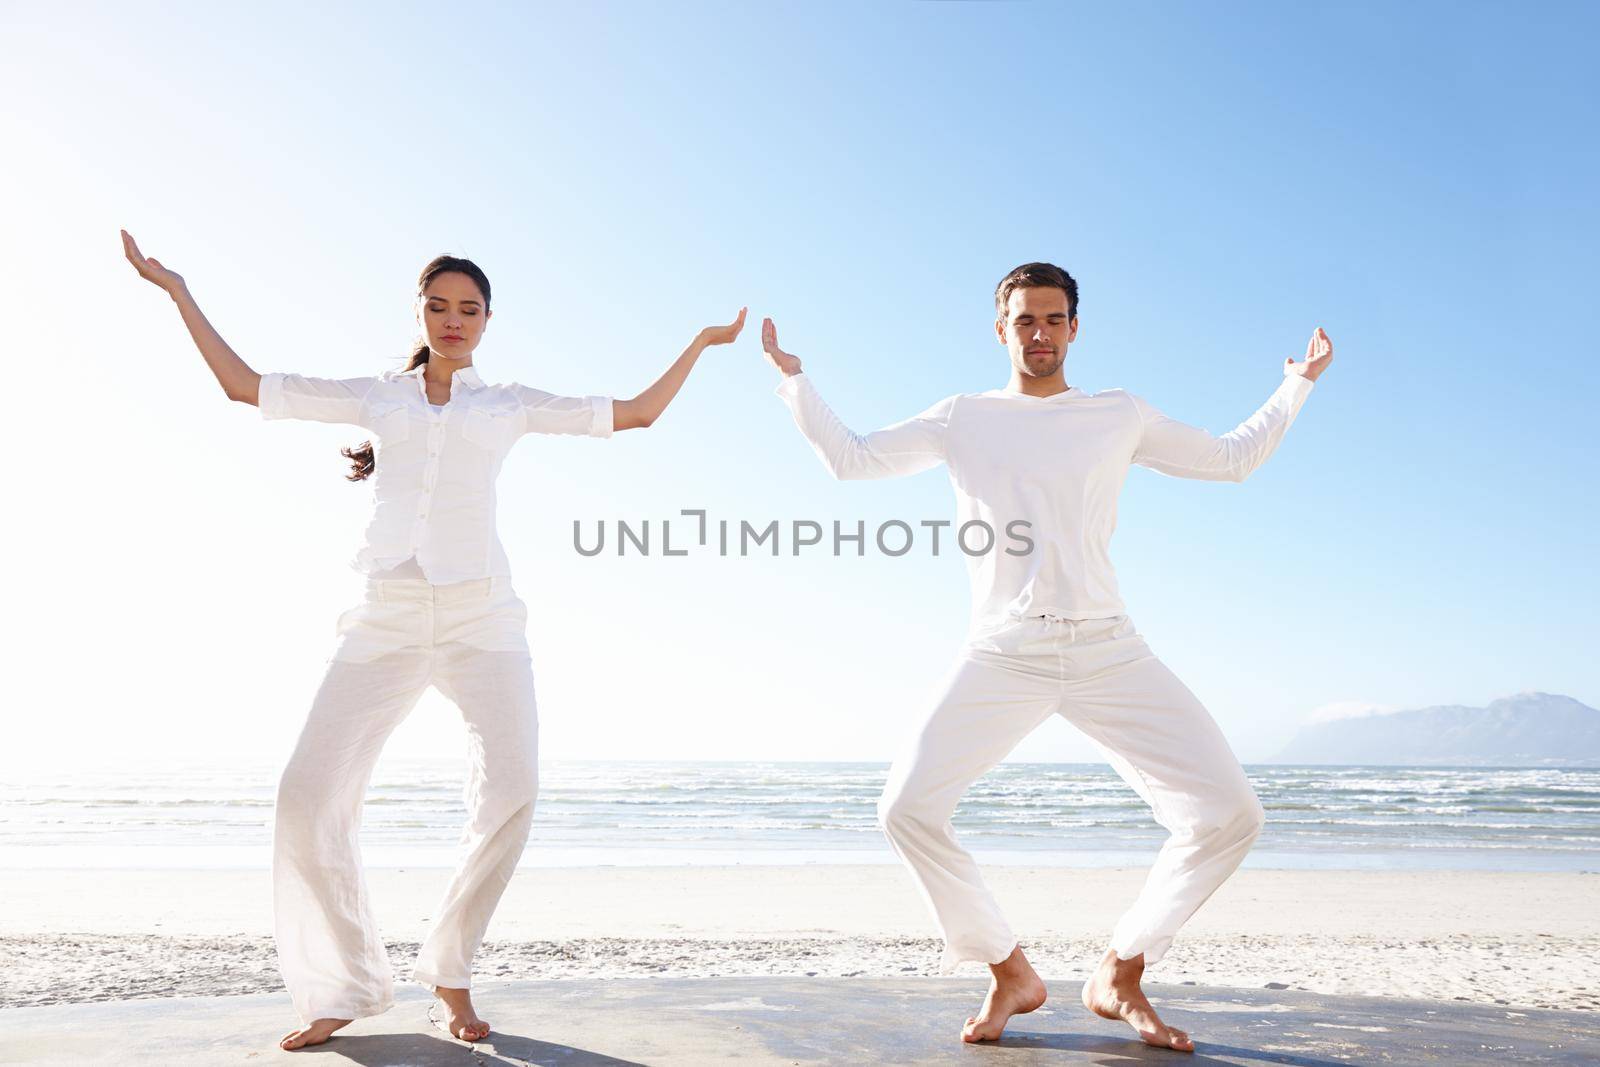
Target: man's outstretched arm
1185	451
903	448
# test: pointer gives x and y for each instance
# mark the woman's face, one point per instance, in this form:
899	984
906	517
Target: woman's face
452	315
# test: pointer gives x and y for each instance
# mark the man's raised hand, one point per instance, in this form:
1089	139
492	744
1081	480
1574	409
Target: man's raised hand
776	356
1319	353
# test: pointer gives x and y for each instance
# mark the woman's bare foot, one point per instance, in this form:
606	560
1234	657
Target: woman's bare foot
1015	989
459	1018
1114	993
315	1034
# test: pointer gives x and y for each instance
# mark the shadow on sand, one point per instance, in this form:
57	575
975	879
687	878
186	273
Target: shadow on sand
423	1050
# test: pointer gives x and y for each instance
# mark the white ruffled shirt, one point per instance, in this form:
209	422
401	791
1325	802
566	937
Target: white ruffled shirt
1056	462
435	467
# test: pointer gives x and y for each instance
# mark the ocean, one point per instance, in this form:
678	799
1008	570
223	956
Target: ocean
672	813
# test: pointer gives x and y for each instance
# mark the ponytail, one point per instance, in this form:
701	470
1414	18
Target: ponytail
361	456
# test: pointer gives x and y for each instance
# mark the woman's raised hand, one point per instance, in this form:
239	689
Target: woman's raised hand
722	335
150	268
776	356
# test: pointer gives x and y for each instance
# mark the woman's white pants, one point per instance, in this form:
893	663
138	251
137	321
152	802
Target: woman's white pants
468	639
1103	678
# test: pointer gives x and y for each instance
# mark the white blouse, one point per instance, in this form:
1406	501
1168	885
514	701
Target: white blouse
1056	463
435	465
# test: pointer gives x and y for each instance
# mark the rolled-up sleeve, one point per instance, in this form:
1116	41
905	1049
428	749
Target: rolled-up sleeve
295	396
1182	451
549	413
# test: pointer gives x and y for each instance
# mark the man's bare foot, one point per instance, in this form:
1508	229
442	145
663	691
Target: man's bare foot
1114	993
459	1018
315	1034
1015	989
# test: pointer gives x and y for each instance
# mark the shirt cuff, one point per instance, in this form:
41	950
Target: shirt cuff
790	386
602	424
1295	382
269	398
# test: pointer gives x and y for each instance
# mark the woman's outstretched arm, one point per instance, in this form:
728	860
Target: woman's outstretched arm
238	381
643	409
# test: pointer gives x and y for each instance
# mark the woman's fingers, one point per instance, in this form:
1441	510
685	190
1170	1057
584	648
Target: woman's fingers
145	265
721	335
149	267
131	249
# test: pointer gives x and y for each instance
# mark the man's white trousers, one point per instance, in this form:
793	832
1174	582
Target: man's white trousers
1103	678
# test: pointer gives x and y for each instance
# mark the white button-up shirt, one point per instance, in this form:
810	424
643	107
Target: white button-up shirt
435	470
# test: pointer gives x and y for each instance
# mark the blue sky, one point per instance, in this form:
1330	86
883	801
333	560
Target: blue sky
1415	179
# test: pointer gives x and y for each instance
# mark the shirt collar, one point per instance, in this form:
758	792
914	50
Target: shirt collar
467	376
1071	392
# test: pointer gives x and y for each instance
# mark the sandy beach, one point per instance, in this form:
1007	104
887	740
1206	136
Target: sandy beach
1519	939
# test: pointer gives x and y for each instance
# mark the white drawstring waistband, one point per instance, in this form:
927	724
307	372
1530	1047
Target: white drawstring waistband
1072	624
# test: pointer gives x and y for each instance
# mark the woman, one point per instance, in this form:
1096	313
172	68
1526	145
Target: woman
439	609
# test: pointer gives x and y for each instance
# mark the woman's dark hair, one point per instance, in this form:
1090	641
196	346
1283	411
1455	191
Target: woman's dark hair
361	456
1036	276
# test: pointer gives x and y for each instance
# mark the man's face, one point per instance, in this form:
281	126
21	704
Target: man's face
1036	331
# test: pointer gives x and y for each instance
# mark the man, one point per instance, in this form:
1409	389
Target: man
1049	634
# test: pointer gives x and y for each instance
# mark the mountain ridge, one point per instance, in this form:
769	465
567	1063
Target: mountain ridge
1529	728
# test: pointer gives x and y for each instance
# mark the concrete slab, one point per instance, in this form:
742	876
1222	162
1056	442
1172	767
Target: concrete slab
685	1021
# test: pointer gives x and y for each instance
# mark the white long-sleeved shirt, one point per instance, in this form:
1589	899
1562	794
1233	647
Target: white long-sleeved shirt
435	467
1057	462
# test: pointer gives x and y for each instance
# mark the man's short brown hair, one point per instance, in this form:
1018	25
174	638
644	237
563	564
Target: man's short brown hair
1036	276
